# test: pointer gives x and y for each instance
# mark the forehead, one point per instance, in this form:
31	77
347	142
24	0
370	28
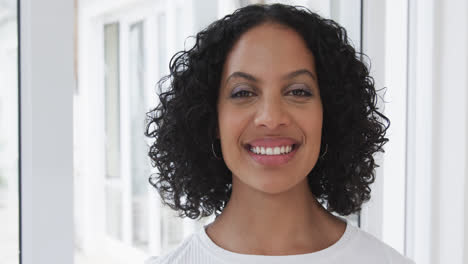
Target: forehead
269	49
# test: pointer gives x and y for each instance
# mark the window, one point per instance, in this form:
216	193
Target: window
112	131
124	53
138	155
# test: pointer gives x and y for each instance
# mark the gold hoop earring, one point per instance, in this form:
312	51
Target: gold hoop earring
325	152
212	149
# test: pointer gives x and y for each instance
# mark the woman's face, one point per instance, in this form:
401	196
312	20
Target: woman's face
269	90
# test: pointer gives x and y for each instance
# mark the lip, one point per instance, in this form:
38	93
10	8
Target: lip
273	160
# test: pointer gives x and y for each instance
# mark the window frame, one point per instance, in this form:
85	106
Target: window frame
143	11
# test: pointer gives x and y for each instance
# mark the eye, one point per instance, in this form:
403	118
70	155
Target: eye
301	92
242	93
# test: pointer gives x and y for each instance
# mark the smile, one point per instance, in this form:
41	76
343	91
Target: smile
272	156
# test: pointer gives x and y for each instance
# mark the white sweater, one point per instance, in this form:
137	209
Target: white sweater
355	246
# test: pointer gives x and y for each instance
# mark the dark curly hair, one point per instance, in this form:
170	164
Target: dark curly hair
192	182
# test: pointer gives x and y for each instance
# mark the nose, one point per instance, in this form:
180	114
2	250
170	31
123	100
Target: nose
272	114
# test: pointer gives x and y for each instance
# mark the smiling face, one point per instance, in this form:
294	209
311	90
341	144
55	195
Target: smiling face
269	89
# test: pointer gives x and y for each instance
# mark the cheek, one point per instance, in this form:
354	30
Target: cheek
231	123
312	124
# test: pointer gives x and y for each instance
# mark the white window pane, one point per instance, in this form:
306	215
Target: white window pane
114	212
172	231
9	228
180	27
138	158
113	198
112	103
162	46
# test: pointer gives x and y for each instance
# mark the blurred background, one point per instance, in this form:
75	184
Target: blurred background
118	50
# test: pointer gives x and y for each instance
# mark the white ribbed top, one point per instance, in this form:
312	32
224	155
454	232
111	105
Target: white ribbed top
355	246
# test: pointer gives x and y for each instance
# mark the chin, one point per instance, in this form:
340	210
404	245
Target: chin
270	185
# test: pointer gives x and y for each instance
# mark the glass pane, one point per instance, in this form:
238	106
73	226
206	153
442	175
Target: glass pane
162	50
114	212
138	158
113	199
180	27
172	229
112	103
9	228
348	14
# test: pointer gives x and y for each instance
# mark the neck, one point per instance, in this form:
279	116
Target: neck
292	222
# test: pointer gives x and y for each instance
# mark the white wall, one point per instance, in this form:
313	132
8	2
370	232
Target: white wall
9	235
46	158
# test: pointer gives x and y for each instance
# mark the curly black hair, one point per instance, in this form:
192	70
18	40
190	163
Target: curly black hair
192	182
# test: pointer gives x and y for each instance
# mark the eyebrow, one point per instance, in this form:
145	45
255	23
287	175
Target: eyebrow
290	75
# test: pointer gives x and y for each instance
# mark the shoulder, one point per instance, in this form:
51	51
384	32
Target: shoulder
374	249
174	256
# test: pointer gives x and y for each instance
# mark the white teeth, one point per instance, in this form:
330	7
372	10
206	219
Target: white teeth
271	151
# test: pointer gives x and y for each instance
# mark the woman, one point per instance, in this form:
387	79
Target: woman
270	112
